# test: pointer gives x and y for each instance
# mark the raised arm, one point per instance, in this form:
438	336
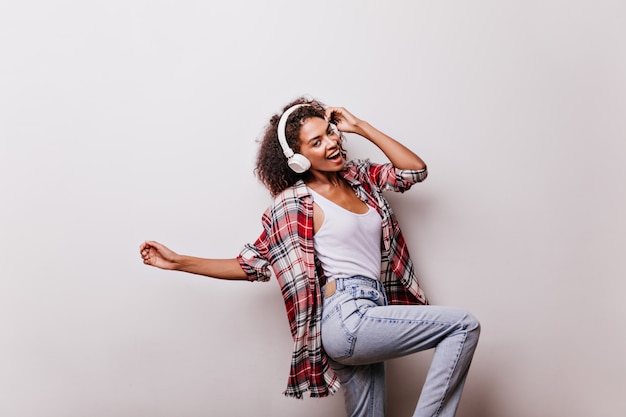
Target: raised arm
398	154
160	256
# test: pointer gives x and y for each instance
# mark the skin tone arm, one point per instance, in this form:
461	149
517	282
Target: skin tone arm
398	154
160	256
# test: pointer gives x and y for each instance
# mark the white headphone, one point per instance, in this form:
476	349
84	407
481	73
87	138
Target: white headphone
297	162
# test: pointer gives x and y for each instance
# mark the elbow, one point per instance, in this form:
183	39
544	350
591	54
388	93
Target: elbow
423	173
412	166
417	165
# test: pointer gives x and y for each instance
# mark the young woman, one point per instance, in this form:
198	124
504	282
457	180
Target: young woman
348	283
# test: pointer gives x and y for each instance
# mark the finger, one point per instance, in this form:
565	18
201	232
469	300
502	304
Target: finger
152	245
149	244
332	113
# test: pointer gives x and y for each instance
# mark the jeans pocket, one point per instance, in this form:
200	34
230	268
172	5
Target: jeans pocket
342	317
337	340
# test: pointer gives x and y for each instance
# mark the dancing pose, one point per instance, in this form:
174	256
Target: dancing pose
348	282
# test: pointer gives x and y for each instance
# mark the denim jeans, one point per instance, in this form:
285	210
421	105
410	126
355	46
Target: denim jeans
360	331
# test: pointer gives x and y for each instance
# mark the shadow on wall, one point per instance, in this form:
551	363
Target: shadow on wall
477	395
405	378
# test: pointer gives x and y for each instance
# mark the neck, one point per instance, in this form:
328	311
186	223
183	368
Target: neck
325	179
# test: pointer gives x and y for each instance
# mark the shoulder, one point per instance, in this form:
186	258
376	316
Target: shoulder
361	170
297	191
289	201
356	168
357	165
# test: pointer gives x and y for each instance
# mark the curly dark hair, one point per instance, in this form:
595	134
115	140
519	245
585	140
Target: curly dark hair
271	165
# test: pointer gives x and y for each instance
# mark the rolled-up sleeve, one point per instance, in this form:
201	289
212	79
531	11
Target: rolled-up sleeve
408	177
253	258
254	264
390	178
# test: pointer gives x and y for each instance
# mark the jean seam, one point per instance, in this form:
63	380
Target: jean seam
406	321
350	336
452	368
371	402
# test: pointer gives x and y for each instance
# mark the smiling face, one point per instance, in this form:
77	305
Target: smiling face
321	144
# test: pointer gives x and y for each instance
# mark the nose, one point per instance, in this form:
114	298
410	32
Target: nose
332	141
333	137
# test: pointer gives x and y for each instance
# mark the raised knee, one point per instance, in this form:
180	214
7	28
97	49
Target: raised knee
471	323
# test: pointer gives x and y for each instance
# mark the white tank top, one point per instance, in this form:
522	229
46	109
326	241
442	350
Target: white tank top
348	243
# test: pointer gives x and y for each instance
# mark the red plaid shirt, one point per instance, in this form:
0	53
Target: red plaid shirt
286	245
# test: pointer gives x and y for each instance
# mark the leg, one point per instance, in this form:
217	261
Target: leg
392	331
359	329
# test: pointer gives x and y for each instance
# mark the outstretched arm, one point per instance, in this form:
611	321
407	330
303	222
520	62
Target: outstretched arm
160	256
399	155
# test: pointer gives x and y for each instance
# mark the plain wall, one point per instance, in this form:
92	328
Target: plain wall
122	121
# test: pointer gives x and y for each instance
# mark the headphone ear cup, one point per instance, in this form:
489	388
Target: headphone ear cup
299	163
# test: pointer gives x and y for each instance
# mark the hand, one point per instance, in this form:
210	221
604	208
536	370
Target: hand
343	119
399	155
155	254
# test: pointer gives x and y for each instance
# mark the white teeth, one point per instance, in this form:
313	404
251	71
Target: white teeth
333	156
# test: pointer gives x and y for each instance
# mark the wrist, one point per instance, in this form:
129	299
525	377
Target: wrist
179	262
364	129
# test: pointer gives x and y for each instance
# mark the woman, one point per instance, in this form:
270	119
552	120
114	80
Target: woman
334	244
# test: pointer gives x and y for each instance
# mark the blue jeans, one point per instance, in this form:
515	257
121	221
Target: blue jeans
360	331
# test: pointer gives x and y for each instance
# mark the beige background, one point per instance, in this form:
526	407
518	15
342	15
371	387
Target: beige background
129	120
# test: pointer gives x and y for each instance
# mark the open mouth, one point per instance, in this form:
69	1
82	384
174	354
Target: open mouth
335	155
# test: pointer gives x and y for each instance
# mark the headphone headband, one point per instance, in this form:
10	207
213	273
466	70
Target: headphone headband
282	124
298	163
